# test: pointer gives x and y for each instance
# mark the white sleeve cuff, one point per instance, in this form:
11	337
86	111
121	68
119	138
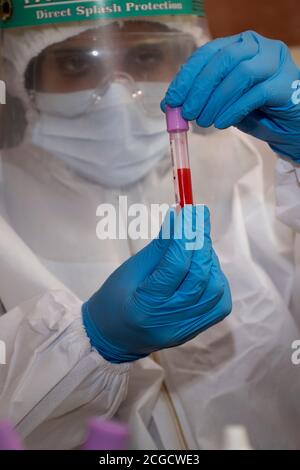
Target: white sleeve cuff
51	368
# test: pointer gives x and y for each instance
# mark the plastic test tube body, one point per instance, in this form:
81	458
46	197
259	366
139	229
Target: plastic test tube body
177	128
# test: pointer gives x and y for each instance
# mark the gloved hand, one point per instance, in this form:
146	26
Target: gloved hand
247	81
162	297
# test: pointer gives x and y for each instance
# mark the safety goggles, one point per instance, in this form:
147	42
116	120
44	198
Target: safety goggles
133	59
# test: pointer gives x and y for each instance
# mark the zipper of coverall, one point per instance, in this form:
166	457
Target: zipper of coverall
171	408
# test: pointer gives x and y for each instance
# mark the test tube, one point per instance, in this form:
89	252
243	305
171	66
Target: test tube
177	128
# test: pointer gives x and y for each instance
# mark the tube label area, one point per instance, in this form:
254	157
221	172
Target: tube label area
17	13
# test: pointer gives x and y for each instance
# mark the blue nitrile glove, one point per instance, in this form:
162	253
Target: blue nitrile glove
163	296
247	81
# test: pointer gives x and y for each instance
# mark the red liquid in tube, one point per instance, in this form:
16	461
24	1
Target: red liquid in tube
177	128
185	186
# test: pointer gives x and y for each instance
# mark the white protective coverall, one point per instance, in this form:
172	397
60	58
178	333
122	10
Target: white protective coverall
238	372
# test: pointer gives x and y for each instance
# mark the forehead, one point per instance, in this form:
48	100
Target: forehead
127	32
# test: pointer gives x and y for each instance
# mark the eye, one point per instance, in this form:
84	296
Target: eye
75	64
145	56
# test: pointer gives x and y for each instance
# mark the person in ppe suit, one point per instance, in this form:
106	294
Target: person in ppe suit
83	142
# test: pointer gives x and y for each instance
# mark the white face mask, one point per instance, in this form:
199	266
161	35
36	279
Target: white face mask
112	142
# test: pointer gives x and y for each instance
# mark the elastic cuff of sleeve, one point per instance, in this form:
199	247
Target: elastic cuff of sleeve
108	351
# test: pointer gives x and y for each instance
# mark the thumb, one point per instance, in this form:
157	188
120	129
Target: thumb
176	260
148	258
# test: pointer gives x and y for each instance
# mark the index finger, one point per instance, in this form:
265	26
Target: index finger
181	84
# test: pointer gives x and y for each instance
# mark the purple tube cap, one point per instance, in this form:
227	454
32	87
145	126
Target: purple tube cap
175	121
9	439
106	435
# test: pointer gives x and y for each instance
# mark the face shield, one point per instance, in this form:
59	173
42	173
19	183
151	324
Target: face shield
93	98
